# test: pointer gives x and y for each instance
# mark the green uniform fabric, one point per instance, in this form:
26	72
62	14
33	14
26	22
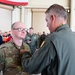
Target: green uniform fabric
55	57
10	58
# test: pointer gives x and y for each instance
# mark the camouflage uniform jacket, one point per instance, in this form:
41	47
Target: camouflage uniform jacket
10	55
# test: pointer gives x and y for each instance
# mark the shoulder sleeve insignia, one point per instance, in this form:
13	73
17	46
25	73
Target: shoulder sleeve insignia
42	43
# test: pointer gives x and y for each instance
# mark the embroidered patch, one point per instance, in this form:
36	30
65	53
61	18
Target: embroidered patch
42	43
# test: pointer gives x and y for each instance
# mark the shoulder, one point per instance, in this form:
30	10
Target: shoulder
26	46
53	36
6	45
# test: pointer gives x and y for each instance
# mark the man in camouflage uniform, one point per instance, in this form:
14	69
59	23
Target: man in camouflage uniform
11	52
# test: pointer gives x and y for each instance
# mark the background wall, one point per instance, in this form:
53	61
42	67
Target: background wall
39	23
47	3
5	19
31	14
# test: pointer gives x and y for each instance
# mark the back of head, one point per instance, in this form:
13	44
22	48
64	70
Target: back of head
57	10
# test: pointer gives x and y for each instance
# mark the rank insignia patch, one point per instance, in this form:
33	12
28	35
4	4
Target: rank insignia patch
42	43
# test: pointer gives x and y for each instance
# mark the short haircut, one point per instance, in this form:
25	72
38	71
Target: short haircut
31	28
58	10
12	25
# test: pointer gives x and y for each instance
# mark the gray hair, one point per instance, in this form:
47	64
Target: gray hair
58	10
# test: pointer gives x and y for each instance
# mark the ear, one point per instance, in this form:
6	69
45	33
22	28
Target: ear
53	17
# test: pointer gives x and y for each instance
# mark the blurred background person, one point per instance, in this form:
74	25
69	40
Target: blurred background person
32	40
42	37
1	38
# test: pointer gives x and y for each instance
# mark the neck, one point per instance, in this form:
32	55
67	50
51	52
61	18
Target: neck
18	42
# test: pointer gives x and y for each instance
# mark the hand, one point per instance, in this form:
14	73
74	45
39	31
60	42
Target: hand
22	51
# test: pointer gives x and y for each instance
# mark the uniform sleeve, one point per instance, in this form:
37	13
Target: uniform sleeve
37	62
2	59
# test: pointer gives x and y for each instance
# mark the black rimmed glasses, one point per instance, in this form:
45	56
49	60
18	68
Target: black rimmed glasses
20	29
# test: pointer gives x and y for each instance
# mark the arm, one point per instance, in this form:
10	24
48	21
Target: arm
2	61
37	62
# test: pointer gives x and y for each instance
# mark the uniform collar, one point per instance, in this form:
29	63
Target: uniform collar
64	26
17	47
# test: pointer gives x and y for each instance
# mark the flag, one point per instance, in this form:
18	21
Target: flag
15	2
